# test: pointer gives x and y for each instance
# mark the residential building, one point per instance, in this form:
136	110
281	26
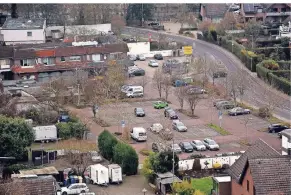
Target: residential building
250	11
213	12
33	185
6	59
166	12
221	185
23	31
278	13
286	142
40	62
261	170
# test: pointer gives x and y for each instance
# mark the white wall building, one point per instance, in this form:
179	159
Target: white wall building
23	31
286	142
145	49
79	29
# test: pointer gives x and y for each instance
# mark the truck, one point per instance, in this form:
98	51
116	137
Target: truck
115	173
45	133
99	175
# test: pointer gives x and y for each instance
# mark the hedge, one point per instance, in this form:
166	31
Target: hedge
106	143
71	129
284	65
262	72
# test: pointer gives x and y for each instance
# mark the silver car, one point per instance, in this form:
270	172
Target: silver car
176	148
156	127
179	126
210	144
198	145
141	57
153	63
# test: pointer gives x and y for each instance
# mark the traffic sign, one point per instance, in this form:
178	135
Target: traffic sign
122	123
219	113
188	50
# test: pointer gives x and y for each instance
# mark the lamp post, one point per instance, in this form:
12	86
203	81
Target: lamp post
252	50
144	191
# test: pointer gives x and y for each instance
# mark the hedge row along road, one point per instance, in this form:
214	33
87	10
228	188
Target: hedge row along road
254	96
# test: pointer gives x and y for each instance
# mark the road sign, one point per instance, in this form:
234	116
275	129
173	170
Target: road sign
122	123
219	113
188	50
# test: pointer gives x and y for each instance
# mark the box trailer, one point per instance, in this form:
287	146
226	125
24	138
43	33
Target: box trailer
99	174
115	173
45	133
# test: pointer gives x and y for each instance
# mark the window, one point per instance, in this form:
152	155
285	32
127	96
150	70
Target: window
48	61
63	59
27	62
4	62
29	34
75	58
96	57
248	185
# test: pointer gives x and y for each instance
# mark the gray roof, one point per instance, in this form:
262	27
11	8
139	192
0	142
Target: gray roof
23	24
257	150
271	175
170	180
287	133
215	10
251	7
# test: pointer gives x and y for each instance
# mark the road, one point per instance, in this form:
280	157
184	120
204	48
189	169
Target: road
254	96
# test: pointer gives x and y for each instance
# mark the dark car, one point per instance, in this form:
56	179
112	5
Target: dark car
139	112
186	146
136	72
171	114
275	128
158	56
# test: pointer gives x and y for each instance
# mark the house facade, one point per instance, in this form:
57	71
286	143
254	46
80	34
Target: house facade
261	170
31	63
213	12
23	31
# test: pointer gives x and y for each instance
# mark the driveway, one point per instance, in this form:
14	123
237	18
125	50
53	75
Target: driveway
254	96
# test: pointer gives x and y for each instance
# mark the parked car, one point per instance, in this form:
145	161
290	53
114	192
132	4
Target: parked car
198	145
195	90
280	133
215	102
186	146
158	147
171	114
275	128
160	104
225	105
156	127
132	57
210	144
136	72
141	57
139	112
238	111
153	63
176	148
158	56
95	157
124	88
166	110
133	94
75	188
179	126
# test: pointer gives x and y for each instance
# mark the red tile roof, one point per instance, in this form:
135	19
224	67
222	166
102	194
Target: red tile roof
45	53
19	69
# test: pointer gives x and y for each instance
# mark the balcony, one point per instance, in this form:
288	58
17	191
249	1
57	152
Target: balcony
279	13
4	66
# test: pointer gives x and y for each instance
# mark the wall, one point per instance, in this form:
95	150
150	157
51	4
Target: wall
20	36
138	48
237	189
285	145
80	29
188	164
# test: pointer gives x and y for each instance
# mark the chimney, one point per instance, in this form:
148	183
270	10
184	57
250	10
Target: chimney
14	11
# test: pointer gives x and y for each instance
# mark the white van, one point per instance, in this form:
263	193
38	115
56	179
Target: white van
132	94
138	134
134	88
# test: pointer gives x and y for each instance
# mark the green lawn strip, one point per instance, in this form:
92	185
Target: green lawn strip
204	184
218	129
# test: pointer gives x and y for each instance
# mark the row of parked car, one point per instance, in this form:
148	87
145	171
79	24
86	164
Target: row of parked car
141	57
222	104
187	147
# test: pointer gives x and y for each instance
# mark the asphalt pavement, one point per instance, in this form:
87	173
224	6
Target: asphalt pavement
254	96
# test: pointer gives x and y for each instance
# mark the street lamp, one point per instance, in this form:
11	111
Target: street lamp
144	191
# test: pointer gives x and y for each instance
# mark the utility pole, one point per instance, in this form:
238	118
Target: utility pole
252	50
232	38
173	162
142	19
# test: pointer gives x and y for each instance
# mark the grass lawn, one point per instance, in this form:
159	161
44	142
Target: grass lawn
203	184
218	129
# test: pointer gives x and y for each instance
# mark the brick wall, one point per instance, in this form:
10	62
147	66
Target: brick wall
237	189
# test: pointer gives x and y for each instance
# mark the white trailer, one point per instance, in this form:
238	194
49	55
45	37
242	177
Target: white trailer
45	133
115	173
99	174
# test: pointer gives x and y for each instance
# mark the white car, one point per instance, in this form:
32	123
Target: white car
141	57
210	144
198	145
153	63
75	188
156	127
179	126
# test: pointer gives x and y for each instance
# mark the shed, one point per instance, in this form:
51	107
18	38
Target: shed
164	181
221	185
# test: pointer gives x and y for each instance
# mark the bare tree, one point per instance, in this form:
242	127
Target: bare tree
237	84
118	24
162	41
158	81
180	93
143	81
166	85
193	100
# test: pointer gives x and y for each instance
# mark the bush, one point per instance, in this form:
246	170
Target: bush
264	112
284	65
270	64
280	83
127	157
40	116
106	144
165	163
71	129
